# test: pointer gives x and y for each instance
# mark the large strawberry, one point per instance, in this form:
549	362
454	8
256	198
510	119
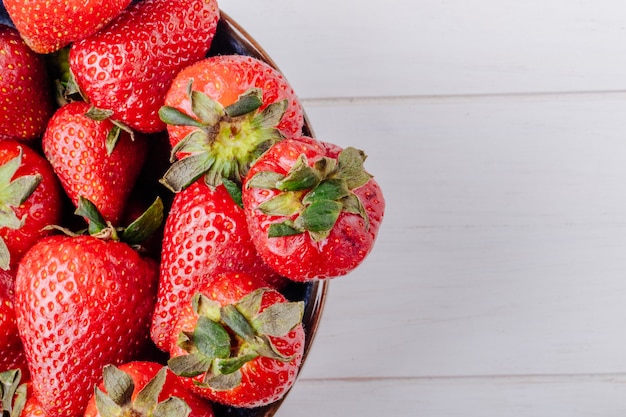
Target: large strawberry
144	389
83	302
30	200
49	25
222	113
93	157
128	66
238	343
26	99
205	234
312	209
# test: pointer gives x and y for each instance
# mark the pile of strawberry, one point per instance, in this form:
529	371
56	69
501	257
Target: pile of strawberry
159	201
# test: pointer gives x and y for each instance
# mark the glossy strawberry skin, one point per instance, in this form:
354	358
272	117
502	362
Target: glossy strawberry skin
300	257
41	209
264	380
81	303
75	146
128	66
141	372
224	78
49	25
26	100
205	234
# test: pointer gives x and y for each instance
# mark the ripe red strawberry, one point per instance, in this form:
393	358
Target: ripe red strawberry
26	99
30	200
143	389
205	234
49	25
222	113
128	66
87	161
11	349
238	343
312	210
82	302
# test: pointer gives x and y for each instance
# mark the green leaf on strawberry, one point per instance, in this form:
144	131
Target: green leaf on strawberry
13	192
12	393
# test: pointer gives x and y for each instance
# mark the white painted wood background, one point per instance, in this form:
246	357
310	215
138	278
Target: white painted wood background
497	129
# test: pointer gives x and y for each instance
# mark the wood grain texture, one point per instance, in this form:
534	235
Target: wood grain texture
496	129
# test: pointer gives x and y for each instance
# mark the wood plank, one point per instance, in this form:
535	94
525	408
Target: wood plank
502	250
532	396
354	48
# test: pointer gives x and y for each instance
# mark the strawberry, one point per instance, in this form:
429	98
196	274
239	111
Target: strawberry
49	25
30	200
128	66
313	211
11	349
205	234
93	157
238	343
143	389
26	99
82	302
222	113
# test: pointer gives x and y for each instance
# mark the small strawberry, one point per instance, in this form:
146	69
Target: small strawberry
205	234
26	99
82	302
93	157
144	389
128	66
11	349
222	113
49	25
312	209
30	200
238	343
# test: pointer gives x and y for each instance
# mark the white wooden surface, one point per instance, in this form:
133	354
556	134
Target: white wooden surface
497	129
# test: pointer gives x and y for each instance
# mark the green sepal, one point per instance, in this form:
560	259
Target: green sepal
148	397
190	365
350	167
184	172
105	405
319	216
204	306
279	319
248	102
195	142
173	116
231	365
300	177
286	228
12	393
223	382
89	211
5	255
172	407
333	189
211	339
285	204
145	225
250	305
206	109
237	322
271	116
265	179
234	190
97	114
118	384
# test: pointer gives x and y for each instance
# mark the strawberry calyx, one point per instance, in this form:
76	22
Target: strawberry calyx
134	234
225	338
114	134
313	196
224	141
12	393
13	193
118	402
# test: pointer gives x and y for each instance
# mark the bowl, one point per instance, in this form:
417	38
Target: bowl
231	38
